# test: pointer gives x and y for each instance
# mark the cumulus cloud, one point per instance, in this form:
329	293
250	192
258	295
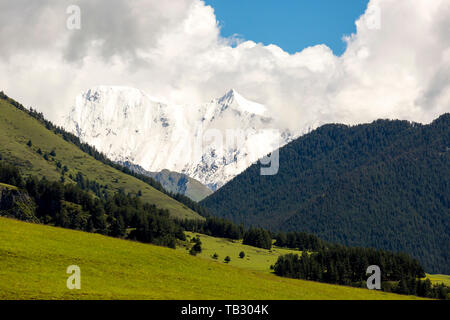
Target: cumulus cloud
396	65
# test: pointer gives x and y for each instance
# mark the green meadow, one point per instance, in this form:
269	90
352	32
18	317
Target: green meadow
255	259
439	278
7	186
34	259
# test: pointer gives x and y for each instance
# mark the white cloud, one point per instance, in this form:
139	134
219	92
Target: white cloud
173	50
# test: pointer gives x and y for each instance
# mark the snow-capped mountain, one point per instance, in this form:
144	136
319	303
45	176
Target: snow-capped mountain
212	142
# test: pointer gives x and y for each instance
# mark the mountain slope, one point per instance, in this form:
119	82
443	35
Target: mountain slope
175	182
211	143
384	184
34	259
181	183
17	128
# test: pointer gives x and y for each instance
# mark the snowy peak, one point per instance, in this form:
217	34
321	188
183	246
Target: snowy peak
234	100
105	94
128	125
114	99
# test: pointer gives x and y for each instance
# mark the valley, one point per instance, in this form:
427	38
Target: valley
224	159
48	177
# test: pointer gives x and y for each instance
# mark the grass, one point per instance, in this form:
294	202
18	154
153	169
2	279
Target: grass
34	258
255	259
7	186
17	128
197	191
439	278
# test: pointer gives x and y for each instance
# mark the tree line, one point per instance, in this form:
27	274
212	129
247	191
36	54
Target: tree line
69	206
215	227
347	266
222	228
87	206
299	240
258	237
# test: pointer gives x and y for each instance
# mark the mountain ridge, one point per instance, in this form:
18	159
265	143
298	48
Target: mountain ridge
211	142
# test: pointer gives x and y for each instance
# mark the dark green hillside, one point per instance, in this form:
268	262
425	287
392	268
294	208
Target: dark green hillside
384	184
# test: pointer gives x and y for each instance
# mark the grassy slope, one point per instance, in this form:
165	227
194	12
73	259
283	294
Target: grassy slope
16	128
34	258
7	186
197	191
171	181
439	278
255	259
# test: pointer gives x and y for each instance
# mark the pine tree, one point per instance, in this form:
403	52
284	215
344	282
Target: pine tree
197	248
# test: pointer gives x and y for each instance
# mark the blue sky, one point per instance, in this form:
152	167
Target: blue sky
291	24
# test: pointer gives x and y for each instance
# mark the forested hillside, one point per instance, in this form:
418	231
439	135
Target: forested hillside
38	148
383	185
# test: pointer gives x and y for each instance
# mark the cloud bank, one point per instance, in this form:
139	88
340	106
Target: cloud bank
396	65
